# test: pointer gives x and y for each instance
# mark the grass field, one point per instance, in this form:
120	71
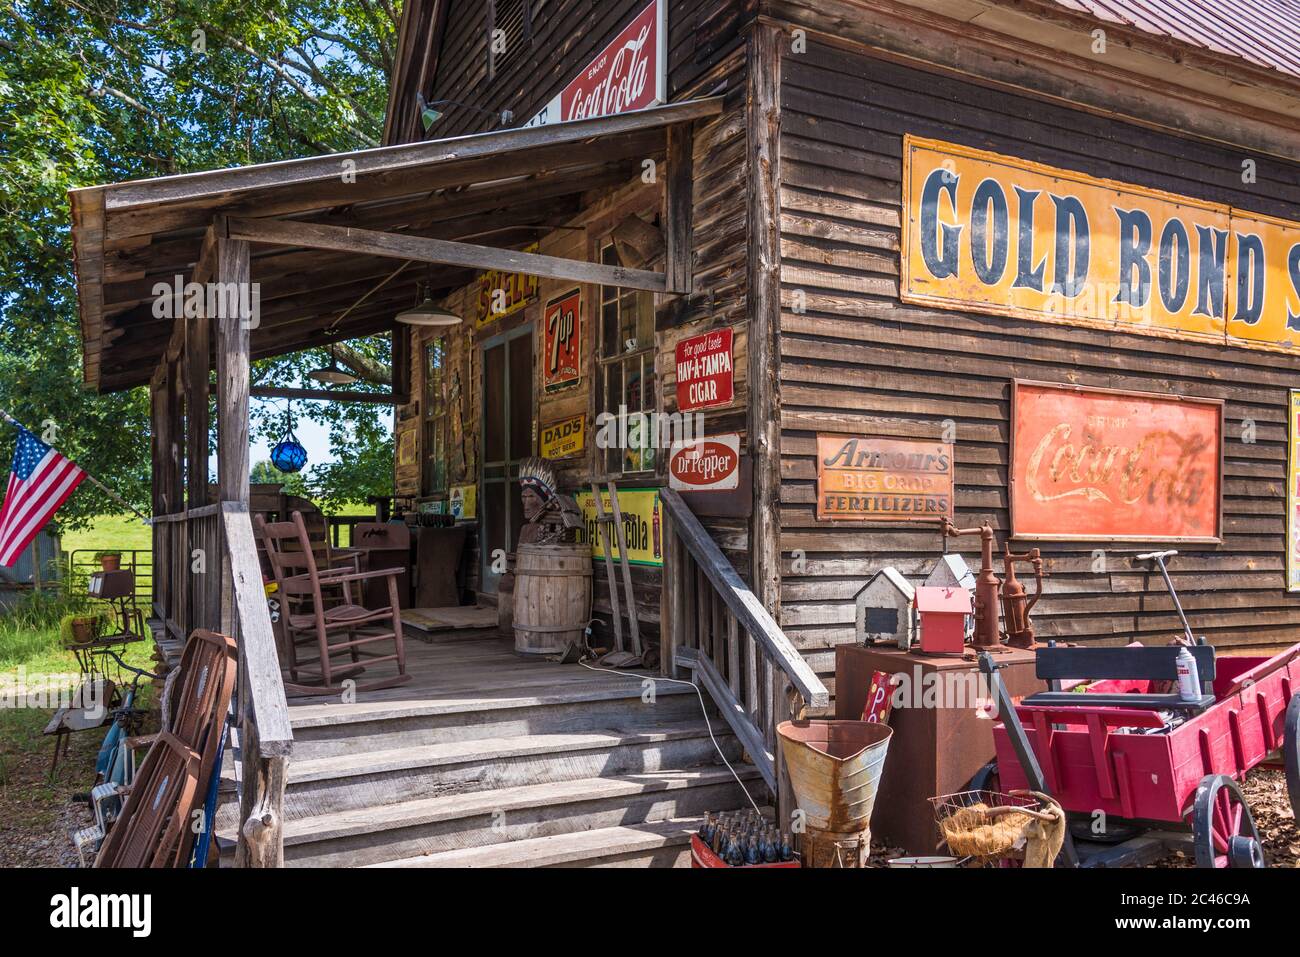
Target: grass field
110	533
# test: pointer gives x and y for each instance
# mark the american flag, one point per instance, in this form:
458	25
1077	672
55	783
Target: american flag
40	482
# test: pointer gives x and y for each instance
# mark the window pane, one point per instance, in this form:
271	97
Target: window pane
645	312
613	386
609	341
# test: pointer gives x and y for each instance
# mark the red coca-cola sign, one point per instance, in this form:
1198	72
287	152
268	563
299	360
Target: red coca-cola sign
708	464
628	74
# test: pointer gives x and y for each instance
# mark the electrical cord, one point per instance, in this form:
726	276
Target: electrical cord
698	694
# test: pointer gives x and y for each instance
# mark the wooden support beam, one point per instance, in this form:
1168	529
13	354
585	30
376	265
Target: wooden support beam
325	395
197	371
423	249
679	209
174	449
764	281
232	379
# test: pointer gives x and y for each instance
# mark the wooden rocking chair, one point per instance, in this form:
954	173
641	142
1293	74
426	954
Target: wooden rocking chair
319	607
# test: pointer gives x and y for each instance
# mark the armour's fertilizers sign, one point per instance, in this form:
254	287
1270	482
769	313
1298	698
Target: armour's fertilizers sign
863	478
995	234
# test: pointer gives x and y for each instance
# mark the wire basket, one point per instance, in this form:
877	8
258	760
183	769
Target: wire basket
988	825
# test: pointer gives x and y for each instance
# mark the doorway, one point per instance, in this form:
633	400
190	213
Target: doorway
507	404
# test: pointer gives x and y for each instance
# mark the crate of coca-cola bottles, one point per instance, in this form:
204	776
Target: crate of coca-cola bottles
741	839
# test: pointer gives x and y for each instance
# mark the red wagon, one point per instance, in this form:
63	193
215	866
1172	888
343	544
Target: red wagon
1122	748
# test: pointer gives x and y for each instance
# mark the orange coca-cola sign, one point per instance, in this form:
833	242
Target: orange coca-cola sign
1093	464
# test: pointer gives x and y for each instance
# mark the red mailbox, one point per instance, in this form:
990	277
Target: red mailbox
942	610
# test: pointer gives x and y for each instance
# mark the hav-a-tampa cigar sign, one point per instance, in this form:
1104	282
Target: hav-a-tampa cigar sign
1100	465
863	478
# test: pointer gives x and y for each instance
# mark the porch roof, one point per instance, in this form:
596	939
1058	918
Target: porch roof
501	189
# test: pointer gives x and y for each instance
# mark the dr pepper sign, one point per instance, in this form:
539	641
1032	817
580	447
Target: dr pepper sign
562	341
705	371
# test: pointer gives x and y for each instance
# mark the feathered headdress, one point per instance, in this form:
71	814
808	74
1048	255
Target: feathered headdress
536	473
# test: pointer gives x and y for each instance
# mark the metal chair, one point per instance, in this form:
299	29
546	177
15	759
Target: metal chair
320	608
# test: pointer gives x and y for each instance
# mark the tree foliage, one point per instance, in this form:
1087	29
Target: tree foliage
95	91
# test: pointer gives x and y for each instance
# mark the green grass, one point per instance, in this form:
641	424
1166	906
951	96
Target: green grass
111	533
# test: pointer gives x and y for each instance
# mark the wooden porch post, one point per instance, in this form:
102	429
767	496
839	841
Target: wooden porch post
232	266
158	443
763	108
261	798
197	370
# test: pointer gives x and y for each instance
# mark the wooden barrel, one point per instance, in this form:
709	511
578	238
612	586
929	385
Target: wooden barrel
552	597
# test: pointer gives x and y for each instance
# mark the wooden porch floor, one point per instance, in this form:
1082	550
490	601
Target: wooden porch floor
486	759
461	670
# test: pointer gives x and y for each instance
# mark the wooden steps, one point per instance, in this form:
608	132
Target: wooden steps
497	762
658	844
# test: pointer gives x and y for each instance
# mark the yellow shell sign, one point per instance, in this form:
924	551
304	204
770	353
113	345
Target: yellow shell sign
990	233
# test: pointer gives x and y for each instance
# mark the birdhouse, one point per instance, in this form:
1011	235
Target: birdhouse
953	571
941	612
885	609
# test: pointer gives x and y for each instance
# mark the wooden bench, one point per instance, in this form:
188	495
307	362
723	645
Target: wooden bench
1121	664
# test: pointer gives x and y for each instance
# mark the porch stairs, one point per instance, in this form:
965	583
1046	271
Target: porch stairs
489	761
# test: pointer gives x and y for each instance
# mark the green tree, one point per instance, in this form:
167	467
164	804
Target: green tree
95	91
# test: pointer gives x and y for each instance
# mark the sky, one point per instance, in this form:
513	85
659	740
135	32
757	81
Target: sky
315	438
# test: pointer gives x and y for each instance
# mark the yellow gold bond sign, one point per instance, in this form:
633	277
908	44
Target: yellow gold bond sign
994	234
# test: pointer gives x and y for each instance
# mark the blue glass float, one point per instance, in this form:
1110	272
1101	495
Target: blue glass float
288	454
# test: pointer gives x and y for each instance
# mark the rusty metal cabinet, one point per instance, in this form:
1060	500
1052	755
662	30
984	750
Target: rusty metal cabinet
936	748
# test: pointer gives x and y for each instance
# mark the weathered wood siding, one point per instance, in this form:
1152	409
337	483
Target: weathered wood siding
719	231
567	34
860	360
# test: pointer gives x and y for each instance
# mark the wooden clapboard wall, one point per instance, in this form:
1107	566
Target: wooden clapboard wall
860	360
567	35
719	229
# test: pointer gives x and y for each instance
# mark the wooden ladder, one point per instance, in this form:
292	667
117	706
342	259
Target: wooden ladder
611	524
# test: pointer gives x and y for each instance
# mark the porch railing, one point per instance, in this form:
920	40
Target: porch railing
207	575
716	627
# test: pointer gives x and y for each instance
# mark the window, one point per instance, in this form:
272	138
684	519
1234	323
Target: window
627	373
435	416
510	29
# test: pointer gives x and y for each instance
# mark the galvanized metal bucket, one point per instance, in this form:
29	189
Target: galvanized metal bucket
834	769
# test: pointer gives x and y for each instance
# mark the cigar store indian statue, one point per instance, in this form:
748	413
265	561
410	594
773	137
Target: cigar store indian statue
550	517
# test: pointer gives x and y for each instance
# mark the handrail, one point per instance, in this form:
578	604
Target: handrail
270	709
742	602
262	717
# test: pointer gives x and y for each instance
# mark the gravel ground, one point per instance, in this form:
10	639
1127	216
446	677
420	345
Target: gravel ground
37	812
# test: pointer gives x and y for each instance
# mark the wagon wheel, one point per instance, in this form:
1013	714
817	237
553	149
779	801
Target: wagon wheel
1223	831
1291	753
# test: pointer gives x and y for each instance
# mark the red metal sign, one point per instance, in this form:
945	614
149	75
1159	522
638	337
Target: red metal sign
705	371
710	464
562	341
1093	464
629	74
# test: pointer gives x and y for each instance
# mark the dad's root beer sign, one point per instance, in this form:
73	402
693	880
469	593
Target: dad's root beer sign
862	478
995	234
1099	465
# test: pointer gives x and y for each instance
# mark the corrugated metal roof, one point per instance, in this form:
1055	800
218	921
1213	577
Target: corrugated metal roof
1263	32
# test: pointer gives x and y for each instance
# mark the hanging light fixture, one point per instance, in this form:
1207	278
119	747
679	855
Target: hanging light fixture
426	312
332	374
288	455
